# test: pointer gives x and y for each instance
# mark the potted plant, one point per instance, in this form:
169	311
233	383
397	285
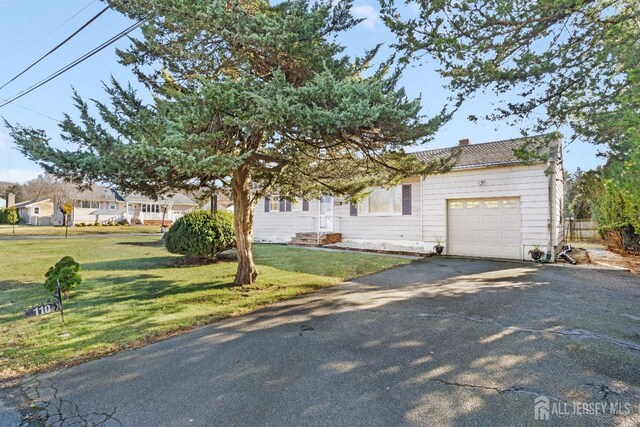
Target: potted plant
438	247
536	253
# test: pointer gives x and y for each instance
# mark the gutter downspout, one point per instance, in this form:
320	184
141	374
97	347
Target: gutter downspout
319	214
552	249
421	211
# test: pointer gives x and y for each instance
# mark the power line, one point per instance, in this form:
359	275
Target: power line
69	19
33	111
74	63
85	25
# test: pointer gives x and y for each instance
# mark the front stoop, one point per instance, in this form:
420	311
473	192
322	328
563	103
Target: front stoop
311	239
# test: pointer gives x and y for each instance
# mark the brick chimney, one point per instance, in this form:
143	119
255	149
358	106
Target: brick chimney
465	141
11	199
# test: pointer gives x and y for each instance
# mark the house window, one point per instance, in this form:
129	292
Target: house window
511	203
491	204
296	206
275	204
382	202
36	210
90	204
112	206
473	205
149	208
456	205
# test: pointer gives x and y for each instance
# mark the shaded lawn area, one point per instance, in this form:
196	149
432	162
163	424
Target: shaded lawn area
32	230
134	292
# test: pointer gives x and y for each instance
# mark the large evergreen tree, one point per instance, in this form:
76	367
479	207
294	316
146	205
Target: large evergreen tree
247	95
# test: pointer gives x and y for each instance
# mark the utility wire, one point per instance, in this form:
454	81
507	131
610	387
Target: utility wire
33	111
68	19
85	25
74	63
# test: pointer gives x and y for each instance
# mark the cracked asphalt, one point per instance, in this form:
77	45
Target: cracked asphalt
437	342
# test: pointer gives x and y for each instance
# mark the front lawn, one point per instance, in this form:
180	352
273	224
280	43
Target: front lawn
32	230
135	292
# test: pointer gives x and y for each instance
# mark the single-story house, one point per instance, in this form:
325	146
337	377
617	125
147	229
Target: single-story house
490	204
105	205
35	213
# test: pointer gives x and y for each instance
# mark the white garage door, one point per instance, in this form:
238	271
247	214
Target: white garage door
484	227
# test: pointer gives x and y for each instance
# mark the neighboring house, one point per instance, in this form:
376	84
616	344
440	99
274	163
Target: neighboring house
105	205
3	203
35	213
491	204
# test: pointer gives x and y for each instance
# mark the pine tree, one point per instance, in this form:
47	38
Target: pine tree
247	95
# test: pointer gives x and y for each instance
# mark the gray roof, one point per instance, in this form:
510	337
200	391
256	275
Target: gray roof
98	193
486	154
95	193
29	203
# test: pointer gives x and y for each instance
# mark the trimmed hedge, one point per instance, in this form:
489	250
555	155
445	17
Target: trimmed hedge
201	234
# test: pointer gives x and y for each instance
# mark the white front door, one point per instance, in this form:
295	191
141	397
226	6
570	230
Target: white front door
484	227
326	213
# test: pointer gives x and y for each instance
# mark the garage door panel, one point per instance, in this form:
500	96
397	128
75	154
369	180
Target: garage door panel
513	235
484	227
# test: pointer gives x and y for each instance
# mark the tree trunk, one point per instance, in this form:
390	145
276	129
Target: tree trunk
243	222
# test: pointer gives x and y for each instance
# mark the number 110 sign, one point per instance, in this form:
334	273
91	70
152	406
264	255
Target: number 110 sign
46	307
39	310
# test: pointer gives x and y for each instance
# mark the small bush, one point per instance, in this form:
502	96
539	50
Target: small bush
201	234
67	271
79	224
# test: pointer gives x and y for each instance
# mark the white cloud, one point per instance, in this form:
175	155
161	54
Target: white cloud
370	15
18	175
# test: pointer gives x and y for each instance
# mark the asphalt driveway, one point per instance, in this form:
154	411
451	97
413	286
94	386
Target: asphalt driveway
437	342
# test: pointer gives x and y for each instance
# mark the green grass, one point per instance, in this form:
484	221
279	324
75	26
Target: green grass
134	292
31	230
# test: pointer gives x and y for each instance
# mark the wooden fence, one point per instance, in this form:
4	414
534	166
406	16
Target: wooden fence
581	229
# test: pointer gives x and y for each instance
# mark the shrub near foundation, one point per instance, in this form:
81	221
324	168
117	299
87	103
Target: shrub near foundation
201	234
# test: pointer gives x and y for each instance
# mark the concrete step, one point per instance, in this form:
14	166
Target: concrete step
311	239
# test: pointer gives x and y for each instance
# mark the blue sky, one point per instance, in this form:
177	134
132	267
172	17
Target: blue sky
26	33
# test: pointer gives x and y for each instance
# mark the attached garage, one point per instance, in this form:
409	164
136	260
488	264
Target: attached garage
486	227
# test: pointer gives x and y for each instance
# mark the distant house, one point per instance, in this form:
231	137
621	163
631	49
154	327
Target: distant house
35	213
105	205
491	204
3	203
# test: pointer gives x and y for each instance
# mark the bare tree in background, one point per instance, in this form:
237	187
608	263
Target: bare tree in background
47	186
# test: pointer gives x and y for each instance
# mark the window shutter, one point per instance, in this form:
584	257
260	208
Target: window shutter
283	205
406	199
305	205
287	205
267	203
353	209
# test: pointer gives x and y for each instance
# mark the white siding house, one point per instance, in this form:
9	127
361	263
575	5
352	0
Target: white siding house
104	205
490	204
35	213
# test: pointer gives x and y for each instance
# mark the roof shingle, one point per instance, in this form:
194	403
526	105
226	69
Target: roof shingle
487	154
